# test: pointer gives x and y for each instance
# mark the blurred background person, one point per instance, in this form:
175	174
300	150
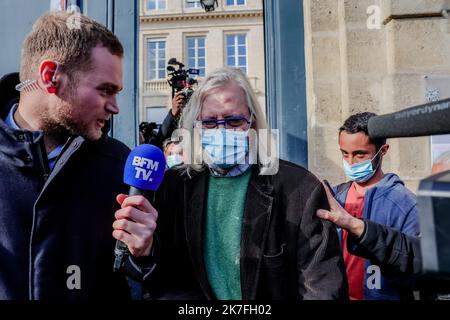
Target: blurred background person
173	152
150	132
441	163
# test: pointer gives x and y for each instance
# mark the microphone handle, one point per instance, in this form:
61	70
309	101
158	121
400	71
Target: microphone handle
121	250
135	192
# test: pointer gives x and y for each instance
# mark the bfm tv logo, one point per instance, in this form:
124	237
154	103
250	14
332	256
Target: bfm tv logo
144	168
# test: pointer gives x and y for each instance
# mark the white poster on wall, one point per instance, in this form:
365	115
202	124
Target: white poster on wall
438	88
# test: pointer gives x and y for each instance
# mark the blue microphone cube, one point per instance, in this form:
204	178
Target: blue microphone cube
144	168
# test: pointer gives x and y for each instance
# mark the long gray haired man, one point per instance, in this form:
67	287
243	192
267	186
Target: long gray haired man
207	143
227	228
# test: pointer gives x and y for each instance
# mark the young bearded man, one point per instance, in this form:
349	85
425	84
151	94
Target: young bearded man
60	172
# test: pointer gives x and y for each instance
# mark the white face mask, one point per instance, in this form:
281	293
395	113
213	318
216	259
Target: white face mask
224	148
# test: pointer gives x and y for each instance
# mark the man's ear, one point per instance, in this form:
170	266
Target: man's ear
385	149
47	73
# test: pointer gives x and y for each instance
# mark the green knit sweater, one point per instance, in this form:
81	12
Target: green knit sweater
225	209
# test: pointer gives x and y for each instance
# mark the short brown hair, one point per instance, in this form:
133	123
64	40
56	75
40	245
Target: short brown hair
51	38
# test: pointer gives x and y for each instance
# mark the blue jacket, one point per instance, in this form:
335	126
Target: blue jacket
391	204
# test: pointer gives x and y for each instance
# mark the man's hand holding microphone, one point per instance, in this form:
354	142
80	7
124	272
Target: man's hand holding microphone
136	220
135	224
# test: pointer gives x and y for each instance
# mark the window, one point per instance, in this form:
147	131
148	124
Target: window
61	5
193	4
235	2
156	59
156	114
58	5
196	53
156	5
237	51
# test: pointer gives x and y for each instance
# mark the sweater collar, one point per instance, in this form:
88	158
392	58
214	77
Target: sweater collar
233	172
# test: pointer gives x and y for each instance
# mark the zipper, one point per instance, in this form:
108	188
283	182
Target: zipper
64	148
43	166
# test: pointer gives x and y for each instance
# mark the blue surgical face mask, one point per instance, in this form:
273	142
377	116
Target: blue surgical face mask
224	148
361	171
173	160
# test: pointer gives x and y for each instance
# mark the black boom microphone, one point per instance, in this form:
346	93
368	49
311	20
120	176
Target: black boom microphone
423	120
434	192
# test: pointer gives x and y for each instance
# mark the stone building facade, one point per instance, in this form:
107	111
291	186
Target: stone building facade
230	35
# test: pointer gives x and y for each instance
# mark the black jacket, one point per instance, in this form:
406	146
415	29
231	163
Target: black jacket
391	249
286	251
52	223
397	253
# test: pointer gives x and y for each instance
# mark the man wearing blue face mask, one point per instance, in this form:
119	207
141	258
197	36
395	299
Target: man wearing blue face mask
372	195
229	226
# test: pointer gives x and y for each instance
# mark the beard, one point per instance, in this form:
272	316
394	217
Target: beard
64	121
55	129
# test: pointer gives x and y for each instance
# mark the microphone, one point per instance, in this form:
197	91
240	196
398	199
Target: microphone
422	120
144	170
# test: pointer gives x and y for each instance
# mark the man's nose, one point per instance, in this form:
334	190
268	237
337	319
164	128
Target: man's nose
112	106
350	160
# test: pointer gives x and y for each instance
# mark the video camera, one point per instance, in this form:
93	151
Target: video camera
149	131
434	192
180	79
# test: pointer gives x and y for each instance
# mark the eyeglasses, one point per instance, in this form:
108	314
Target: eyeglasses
228	122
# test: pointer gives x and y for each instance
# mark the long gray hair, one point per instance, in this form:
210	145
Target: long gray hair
216	79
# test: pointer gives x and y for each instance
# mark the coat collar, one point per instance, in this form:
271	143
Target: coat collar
20	146
255	226
258	207
195	190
